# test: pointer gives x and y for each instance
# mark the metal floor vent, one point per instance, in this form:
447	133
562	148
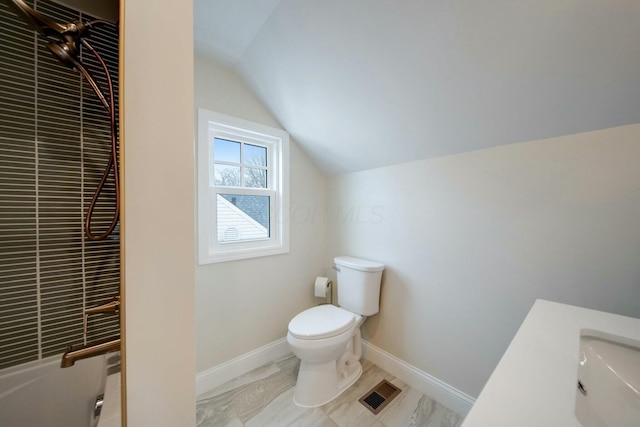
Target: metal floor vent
379	396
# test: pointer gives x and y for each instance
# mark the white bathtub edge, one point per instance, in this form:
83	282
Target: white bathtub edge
110	415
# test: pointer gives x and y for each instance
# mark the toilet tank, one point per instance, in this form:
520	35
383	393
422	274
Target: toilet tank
358	284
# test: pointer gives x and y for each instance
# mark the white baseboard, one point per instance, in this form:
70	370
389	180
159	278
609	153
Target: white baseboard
220	374
440	391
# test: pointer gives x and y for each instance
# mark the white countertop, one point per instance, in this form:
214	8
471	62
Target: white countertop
535	383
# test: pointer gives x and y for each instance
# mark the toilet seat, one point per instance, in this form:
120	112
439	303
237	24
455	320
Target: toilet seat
323	321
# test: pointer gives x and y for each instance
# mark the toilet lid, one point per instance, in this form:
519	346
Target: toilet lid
323	321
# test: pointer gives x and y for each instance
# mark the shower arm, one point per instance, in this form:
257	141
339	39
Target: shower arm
38	21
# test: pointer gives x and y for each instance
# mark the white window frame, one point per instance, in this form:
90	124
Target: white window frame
210	126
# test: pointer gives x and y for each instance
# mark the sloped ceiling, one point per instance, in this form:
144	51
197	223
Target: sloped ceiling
367	83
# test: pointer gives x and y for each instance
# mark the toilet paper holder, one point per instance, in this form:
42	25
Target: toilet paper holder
330	286
321	286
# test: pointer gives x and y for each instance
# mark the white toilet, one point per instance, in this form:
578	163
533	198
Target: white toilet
326	338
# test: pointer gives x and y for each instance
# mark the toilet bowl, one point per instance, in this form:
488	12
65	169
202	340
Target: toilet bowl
326	339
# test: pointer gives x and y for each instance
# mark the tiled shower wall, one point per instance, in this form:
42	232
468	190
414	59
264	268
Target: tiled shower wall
54	145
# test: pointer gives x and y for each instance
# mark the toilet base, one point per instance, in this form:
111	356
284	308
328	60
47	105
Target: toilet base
320	383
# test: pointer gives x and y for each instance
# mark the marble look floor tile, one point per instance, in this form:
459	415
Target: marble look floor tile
352	414
252	376
401	409
264	398
282	412
234	422
370	377
432	414
245	401
414	409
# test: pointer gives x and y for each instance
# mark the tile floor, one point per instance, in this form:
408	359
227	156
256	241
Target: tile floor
264	398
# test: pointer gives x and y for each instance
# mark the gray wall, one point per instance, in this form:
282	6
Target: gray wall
471	240
54	145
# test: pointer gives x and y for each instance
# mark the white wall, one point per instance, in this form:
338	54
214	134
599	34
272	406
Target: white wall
242	305
158	215
471	240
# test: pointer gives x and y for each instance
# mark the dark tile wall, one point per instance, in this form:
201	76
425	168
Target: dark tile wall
54	145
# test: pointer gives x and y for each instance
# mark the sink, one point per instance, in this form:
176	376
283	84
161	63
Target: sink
608	386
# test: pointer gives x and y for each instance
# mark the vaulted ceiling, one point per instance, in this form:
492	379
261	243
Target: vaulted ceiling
361	84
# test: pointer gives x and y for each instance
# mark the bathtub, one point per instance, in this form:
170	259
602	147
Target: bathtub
43	394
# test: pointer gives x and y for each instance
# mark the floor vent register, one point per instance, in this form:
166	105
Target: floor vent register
379	396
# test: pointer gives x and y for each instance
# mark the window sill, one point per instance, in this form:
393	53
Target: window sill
226	256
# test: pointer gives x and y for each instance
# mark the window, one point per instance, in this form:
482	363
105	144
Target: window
243	185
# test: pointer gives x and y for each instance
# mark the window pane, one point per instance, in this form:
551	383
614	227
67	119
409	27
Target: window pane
256	178
226	151
242	217
255	155
227	176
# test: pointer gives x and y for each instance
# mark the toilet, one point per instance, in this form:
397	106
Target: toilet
326	338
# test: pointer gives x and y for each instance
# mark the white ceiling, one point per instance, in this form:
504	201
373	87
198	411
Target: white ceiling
367	83
224	28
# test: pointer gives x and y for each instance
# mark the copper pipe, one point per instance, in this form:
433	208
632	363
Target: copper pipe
84	352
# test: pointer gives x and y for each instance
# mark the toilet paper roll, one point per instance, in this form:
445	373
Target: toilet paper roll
321	287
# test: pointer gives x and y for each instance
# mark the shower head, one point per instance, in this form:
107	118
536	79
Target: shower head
65	52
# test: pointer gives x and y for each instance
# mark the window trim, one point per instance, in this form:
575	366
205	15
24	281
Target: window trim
212	124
